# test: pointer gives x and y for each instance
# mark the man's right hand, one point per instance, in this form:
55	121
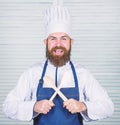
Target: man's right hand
43	106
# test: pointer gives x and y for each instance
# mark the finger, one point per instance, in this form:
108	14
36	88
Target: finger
47	105
43	106
51	103
69	107
66	103
45	109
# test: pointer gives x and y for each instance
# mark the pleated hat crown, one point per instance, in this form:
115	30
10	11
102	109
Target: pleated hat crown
57	19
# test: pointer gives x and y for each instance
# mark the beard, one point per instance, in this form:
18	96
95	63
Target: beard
56	60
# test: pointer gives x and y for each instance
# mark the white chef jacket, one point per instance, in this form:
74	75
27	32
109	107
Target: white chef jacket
20	101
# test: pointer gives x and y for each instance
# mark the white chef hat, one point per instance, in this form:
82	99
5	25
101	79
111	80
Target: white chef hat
57	19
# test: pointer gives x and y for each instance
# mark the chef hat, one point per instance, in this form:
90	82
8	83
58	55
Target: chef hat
57	19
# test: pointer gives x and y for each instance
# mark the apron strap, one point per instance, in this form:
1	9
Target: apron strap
43	73
44	69
74	74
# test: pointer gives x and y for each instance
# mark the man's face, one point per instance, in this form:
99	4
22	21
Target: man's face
58	48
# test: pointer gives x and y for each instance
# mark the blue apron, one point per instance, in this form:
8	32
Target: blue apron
58	115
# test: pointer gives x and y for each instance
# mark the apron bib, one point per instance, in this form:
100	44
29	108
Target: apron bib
58	115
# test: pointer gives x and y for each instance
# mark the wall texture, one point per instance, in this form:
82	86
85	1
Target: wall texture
96	29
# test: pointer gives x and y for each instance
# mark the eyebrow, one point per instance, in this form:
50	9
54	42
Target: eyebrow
56	37
51	36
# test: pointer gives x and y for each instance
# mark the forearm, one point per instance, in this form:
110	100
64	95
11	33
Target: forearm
19	110
98	110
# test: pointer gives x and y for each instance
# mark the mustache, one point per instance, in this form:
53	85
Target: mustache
55	48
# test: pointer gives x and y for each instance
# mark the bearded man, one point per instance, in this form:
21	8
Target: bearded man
73	95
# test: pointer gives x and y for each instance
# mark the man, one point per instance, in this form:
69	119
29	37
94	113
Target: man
33	98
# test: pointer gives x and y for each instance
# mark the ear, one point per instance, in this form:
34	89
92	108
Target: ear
72	41
45	41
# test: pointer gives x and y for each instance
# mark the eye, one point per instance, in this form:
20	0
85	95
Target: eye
52	38
65	38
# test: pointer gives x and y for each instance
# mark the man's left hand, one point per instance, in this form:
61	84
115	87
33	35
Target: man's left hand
74	106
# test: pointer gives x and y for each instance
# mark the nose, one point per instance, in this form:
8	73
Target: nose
58	42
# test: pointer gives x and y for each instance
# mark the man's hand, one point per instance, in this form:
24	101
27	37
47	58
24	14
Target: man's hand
74	106
43	106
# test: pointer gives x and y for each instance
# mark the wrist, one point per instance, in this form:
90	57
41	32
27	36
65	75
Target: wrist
83	107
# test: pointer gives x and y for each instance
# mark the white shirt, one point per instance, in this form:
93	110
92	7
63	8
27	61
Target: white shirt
20	101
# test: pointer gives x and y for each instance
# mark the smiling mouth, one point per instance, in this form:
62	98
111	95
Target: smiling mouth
58	52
